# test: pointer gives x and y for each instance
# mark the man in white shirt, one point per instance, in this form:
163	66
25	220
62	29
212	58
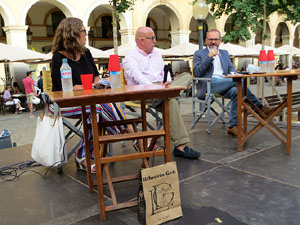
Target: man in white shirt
144	65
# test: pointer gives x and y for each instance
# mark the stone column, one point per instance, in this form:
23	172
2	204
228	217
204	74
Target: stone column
290	57
251	42
180	37
16	35
272	40
285	39
127	36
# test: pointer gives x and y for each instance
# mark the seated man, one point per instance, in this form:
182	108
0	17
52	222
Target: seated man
8	100
215	63
144	65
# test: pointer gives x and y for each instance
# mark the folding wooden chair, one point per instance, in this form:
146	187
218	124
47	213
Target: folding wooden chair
133	106
205	106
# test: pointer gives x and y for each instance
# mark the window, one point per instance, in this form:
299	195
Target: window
2	32
107	28
56	17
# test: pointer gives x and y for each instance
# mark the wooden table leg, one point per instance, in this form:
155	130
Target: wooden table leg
244	112
97	159
289	116
144	124
167	129
239	114
87	148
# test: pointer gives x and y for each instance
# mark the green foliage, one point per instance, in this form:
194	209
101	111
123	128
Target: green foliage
247	15
121	6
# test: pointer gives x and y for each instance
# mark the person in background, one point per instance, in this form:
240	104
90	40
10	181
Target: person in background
280	80
279	66
69	42
215	63
29	90
105	73
40	82
176	74
144	65
167	71
8	100
17	89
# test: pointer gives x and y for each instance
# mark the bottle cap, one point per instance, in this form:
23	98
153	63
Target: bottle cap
270	55
114	63
64	60
262	56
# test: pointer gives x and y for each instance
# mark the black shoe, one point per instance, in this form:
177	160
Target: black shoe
186	153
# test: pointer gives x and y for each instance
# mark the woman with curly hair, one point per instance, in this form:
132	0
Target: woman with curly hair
69	42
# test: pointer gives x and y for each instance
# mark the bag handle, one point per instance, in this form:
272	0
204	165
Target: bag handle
56	111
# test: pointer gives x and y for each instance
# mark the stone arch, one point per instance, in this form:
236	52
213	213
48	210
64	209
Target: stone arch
7	14
220	25
49	13
296	40
227	26
174	15
258	37
124	20
28	20
64	6
100	16
282	34
153	21
209	24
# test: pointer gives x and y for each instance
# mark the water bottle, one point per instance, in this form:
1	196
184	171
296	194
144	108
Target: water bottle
66	76
271	61
114	67
115	79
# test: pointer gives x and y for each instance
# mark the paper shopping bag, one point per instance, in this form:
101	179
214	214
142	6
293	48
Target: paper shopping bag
161	193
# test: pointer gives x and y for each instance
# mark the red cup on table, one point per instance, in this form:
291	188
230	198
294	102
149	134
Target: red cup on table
87	81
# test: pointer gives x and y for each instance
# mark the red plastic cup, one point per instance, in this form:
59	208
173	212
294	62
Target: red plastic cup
87	81
270	55
262	56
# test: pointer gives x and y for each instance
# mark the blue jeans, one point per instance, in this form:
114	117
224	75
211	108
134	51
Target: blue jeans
228	88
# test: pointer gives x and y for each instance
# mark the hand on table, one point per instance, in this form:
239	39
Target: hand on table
77	86
166	84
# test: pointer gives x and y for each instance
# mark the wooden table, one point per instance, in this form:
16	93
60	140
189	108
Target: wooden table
244	106
126	93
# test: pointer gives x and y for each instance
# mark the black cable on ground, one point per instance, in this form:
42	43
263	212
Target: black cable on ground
10	172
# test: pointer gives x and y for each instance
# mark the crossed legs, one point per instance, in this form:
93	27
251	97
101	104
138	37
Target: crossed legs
228	88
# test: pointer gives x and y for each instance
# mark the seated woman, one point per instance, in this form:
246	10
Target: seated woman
69	42
8	100
16	88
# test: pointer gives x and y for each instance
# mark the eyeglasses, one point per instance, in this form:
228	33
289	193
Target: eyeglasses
213	39
153	38
83	31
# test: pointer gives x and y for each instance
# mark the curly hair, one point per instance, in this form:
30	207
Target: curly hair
67	37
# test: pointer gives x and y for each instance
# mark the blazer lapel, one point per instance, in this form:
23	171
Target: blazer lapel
222	61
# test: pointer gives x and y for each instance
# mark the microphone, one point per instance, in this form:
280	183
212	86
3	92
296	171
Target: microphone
216	47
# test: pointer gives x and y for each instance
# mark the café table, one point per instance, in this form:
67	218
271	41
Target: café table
92	97
244	106
22	98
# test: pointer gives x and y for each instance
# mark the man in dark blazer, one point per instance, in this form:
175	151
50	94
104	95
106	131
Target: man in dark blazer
215	63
